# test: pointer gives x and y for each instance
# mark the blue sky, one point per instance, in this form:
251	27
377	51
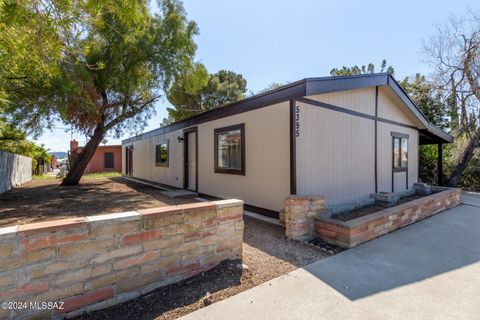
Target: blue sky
282	41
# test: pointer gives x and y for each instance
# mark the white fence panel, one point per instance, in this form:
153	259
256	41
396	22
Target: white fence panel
14	170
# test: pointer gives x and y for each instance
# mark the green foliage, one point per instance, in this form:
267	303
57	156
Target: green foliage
92	64
14	141
428	99
196	91
357	70
272	86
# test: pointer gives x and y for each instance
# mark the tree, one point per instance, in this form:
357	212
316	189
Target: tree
428	99
15	141
113	60
195	91
272	86
356	70
454	52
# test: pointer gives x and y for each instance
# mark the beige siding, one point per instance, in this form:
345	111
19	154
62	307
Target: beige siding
144	160
390	107
267	143
335	151
335	155
360	100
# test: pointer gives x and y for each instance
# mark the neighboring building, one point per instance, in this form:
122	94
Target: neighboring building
53	161
105	159
340	137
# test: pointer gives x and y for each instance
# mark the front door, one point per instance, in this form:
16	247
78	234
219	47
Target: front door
129	160
190	140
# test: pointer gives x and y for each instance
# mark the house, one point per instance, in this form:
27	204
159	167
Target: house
105	158
342	137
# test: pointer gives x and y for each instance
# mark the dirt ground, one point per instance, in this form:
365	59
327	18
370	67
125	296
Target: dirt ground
267	254
41	200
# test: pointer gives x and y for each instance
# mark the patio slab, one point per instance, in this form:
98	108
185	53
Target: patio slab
428	270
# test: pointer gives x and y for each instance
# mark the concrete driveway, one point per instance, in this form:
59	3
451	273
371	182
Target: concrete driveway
429	270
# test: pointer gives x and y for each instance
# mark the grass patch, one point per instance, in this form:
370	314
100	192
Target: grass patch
101	175
44	177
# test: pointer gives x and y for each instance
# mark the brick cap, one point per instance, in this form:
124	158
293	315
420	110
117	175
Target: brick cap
228	203
52	225
160	211
123	216
198	206
8	231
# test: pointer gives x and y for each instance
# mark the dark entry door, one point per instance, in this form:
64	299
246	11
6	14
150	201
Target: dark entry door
190	155
129	160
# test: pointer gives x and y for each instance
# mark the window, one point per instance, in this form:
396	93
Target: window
230	149
400	151
161	154
108	160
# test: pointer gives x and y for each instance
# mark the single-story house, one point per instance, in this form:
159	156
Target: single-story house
342	137
107	158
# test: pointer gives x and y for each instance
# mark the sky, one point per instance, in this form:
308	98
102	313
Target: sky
283	41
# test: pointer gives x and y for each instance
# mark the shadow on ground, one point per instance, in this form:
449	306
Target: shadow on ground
442	243
271	239
191	293
41	200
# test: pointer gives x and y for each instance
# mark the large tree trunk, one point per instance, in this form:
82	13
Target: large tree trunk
82	159
464	161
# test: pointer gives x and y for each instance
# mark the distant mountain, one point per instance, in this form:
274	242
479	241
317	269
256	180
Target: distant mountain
59	154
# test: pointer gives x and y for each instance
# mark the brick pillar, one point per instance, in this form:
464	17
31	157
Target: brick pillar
299	213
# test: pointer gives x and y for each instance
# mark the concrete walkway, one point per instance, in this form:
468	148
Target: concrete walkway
429	270
471	198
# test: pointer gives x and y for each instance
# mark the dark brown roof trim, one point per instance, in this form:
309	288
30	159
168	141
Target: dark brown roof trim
353	113
297	90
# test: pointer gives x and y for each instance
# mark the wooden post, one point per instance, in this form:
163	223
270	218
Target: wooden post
440	165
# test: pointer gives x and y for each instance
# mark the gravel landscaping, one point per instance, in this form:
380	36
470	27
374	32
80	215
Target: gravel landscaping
41	200
267	254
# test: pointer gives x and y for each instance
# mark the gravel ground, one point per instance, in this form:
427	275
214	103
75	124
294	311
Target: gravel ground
267	254
41	200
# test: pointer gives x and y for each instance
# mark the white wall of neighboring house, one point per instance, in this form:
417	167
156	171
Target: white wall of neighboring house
15	170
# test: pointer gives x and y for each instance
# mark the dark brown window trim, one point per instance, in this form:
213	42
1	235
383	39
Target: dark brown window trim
397	135
166	163
400	135
105	160
217	131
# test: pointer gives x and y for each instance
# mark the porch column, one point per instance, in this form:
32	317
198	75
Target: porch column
440	165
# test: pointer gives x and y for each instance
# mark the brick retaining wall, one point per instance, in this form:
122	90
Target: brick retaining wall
351	233
298	216
97	261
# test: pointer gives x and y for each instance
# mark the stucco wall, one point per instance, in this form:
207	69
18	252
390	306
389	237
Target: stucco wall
97	163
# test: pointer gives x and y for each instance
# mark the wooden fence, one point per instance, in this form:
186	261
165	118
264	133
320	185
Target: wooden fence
14	170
